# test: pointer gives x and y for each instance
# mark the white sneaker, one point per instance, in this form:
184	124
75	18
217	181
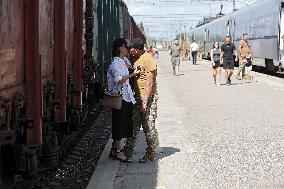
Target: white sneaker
218	84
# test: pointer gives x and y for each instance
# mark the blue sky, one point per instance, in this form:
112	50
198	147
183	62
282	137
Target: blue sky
164	18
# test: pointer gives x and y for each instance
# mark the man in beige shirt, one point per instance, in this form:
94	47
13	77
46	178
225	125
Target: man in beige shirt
145	111
244	52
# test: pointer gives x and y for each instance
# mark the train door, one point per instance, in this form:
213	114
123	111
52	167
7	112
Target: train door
231	28
208	42
228	28
205	41
281	36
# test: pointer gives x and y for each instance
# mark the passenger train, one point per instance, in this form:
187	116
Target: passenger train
263	21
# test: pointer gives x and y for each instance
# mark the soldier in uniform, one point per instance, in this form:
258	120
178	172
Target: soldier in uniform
145	111
244	52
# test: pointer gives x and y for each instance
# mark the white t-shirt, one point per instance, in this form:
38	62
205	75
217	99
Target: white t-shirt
194	46
116	71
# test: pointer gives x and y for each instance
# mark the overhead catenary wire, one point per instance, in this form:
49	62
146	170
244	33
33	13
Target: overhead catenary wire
186	14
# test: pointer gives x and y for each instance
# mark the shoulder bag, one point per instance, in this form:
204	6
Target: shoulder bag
112	100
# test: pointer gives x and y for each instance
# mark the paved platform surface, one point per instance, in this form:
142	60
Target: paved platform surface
210	137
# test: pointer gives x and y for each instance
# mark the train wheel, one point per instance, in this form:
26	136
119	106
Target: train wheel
50	152
76	120
270	66
280	67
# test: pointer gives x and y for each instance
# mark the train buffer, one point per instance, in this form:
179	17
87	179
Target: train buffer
210	137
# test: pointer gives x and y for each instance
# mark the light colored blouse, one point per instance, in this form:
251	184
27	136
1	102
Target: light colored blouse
116	71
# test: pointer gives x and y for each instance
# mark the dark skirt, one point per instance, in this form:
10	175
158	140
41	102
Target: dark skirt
217	64
122	123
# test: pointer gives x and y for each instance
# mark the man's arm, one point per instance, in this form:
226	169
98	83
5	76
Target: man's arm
222	55
250	51
149	88
240	48
180	50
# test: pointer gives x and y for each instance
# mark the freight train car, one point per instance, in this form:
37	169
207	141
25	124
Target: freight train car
113	20
41	61
136	32
263	21
51	69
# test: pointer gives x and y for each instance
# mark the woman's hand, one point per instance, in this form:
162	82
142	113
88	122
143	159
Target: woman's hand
137	70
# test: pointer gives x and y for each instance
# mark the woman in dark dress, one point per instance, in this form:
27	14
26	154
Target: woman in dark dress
215	55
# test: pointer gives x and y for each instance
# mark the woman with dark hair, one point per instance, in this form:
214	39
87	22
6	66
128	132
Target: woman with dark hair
118	82
215	55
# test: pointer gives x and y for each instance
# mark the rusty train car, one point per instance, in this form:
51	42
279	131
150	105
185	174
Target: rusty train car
53	59
136	32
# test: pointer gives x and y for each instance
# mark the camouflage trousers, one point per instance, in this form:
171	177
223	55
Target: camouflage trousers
241	69
147	120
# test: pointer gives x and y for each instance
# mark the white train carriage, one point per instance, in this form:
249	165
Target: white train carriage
263	21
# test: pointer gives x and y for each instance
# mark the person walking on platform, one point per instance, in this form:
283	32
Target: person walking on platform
215	55
175	57
118	83
194	47
244	53
228	50
145	111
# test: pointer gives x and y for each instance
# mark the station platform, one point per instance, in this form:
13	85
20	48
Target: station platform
210	137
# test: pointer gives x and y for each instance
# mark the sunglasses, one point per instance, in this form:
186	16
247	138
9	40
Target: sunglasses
126	47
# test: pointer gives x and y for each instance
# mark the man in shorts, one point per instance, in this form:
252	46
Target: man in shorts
175	57
228	50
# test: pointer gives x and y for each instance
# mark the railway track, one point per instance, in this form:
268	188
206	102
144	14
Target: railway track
76	167
76	170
